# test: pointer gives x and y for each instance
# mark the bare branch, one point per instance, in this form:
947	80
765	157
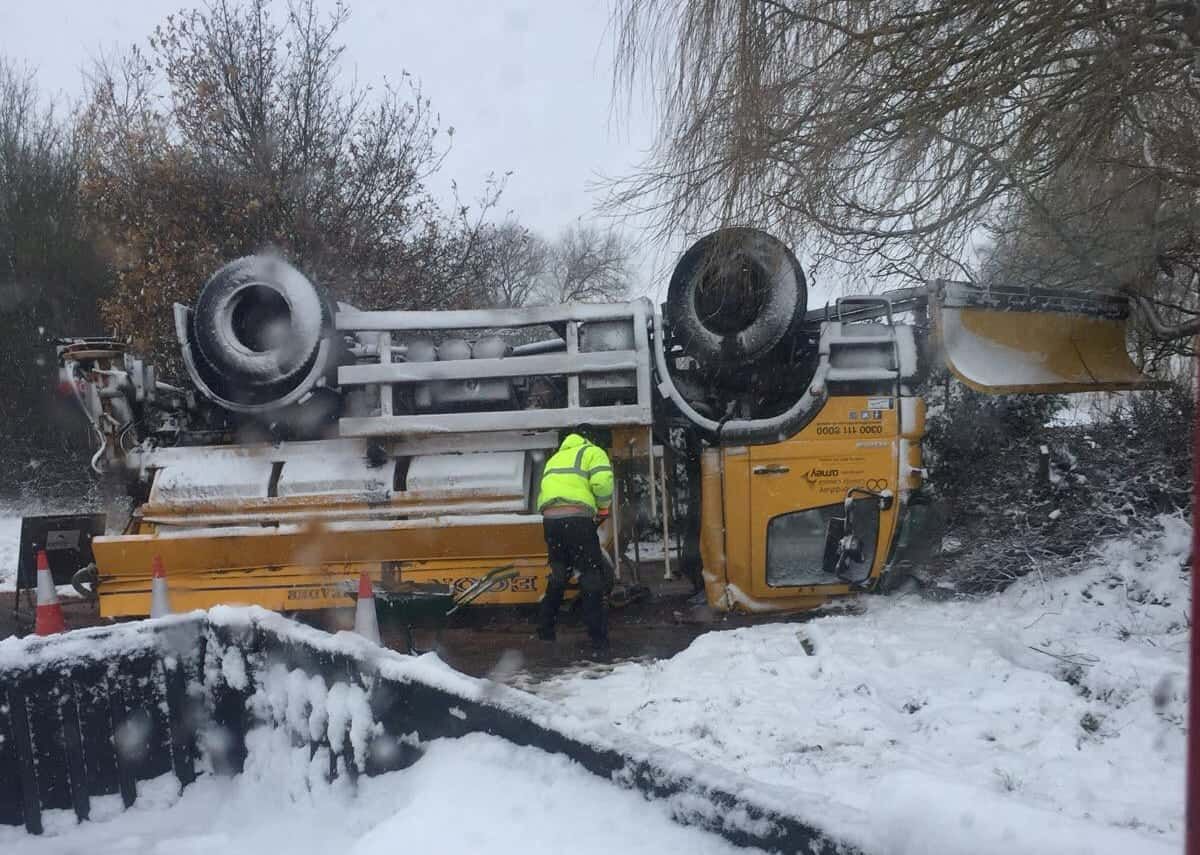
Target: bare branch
895	135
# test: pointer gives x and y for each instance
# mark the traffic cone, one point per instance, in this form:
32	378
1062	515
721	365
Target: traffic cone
160	600
366	623
49	613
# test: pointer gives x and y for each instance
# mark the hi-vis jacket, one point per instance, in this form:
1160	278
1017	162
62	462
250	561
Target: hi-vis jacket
579	473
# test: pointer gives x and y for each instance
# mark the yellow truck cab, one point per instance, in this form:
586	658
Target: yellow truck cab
767	509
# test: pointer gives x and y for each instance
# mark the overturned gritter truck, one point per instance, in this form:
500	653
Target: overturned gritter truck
312	442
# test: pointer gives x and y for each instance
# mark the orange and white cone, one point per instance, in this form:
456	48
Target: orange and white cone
366	623
160	600
49	613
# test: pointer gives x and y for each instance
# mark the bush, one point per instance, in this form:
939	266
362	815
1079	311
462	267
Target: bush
1160	419
969	434
1005	516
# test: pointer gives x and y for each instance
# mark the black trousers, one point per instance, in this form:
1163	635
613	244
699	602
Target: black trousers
573	548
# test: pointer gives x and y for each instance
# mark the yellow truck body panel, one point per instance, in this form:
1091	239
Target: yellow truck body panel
765	506
763	514
315	565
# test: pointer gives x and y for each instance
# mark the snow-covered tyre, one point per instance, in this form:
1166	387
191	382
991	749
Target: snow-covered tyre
258	324
734	295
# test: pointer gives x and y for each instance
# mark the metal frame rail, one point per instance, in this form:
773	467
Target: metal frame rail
573	363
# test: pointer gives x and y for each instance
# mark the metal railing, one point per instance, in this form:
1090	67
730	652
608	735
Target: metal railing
573	363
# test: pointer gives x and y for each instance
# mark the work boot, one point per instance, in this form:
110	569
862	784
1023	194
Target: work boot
597	651
595	615
548	612
544	634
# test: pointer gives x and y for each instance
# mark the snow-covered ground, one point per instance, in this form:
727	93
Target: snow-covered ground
10	535
1049	718
1087	408
475	794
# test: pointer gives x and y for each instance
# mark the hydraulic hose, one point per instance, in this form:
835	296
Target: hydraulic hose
95	425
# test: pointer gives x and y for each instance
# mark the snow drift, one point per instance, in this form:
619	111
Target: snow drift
1048	718
89	717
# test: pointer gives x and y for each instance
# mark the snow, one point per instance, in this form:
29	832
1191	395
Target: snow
477	793
988	363
293	708
1046	719
481	794
233	668
10	540
1086	408
210	477
98	643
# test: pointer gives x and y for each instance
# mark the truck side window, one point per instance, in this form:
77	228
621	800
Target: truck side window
796	543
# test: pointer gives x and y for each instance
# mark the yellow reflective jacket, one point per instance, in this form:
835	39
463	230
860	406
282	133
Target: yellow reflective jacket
579	473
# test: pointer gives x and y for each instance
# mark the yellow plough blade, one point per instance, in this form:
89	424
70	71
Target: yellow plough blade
1035	340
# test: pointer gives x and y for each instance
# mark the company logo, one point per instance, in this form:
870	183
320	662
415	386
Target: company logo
316	592
518	584
815	474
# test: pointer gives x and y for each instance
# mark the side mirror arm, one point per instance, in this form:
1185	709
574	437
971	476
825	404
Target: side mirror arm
886	498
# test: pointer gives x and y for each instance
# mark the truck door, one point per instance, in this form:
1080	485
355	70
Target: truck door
795	488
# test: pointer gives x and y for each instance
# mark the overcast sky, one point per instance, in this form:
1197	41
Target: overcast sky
525	83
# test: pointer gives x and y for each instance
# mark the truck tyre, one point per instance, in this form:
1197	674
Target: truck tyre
258	326
734	295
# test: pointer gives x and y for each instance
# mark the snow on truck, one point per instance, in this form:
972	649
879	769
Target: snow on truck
314	442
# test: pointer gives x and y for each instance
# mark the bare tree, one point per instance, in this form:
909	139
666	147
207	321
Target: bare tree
892	134
260	144
513	265
588	265
1096	227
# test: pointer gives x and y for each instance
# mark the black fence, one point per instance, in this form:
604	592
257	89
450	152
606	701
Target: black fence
92	712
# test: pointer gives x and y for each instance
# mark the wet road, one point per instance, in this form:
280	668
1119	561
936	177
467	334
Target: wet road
495	642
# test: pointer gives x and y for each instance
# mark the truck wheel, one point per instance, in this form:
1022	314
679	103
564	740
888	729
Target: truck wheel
734	295
258	323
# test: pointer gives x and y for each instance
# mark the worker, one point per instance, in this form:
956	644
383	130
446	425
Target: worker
575	496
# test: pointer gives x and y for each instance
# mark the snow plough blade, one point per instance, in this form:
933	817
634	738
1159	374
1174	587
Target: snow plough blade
1030	340
95	712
